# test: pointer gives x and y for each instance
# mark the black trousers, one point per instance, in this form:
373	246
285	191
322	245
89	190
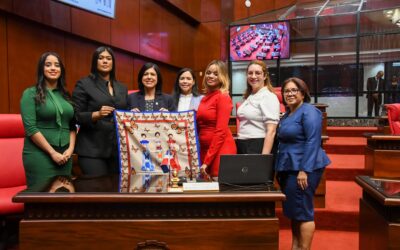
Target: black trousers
374	102
250	146
95	167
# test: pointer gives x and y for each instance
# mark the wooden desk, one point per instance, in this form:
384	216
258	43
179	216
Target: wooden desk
379	214
382	155
240	220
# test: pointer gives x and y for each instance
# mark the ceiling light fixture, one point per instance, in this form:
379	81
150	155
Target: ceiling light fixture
247	3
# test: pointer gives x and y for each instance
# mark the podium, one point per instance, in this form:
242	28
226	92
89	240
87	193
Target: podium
379	213
220	220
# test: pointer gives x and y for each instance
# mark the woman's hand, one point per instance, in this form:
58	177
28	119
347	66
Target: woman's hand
58	158
68	153
164	109
203	171
106	111
103	112
302	180
135	110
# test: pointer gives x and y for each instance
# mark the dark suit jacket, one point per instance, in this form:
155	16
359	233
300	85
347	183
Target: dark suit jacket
96	139
136	100
371	86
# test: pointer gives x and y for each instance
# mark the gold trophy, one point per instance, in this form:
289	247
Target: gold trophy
174	183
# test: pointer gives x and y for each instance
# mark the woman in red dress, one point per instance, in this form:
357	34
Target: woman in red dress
213	118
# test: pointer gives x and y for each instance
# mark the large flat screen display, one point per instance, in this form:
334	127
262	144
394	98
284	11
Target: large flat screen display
101	7
263	41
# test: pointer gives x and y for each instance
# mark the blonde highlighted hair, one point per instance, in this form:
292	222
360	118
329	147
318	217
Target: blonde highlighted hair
267	81
223	76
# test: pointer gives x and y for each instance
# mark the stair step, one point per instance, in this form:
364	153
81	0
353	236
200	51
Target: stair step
346	145
345	167
343	174
350	131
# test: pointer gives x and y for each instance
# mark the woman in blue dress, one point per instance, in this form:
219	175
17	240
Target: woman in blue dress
300	160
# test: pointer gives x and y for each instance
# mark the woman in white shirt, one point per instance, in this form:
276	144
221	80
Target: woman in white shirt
186	95
259	113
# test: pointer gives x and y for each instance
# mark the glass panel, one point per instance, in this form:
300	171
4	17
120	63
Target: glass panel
337	25
238	77
380	4
302	28
236	99
336	76
379	21
379	53
305	10
300	64
339	106
340	7
266	17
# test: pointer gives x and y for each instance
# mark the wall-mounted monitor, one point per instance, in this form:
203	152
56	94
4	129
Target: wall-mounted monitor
263	41
101	7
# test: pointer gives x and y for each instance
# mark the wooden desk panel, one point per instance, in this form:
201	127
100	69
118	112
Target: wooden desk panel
242	220
379	216
382	155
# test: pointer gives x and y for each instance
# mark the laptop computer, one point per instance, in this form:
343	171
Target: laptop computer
246	169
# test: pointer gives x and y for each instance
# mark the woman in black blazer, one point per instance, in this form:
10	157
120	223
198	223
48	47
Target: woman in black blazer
150	97
96	97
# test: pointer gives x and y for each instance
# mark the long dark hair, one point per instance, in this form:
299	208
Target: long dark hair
301	85
94	72
177	90
145	67
41	79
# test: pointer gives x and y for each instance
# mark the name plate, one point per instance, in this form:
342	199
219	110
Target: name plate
200	187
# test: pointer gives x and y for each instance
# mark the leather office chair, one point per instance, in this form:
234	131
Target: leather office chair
393	112
278	93
12	174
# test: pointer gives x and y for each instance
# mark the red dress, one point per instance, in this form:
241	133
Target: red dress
214	133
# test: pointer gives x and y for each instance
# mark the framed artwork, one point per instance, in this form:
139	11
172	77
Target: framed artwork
152	145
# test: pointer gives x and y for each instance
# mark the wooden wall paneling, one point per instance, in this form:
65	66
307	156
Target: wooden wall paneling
125	27
159	34
78	59
124	69
6	5
224	44
49	12
30	9
283	3
26	42
57	15
210	10
169	75
137	65
207	44
257	7
186	45
91	25
227	11
4	93
192	7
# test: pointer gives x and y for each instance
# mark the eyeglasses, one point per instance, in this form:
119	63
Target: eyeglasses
291	91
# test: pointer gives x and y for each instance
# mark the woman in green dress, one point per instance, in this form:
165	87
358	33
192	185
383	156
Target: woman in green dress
50	131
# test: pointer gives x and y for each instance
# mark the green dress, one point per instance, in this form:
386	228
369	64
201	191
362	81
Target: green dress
54	119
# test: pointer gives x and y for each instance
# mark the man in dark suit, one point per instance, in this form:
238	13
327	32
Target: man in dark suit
375	86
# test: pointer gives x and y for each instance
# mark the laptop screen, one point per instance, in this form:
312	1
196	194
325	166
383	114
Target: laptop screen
246	169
